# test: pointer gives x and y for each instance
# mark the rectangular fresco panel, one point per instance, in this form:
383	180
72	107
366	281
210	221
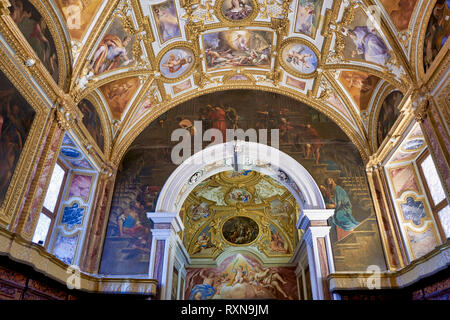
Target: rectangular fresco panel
36	32
308	15
16	117
236	48
363	42
166	20
241	276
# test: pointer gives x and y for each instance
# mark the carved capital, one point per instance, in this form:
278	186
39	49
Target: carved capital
420	113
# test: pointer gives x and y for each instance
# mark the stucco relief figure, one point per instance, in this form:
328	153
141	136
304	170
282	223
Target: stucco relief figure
368	44
109	53
238	10
336	198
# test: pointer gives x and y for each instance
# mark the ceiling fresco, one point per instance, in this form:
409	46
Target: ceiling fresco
141	58
239	209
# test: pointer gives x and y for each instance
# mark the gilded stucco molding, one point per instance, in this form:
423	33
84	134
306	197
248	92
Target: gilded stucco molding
26	162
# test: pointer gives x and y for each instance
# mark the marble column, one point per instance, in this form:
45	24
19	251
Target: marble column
166	225
320	257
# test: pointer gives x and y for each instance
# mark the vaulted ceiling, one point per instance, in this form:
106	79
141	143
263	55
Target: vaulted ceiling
135	59
232	211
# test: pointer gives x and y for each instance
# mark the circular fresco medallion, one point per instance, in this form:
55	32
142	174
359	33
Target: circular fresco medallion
298	58
240	230
176	63
237	10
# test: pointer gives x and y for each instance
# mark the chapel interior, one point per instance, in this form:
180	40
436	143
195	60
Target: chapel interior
224	149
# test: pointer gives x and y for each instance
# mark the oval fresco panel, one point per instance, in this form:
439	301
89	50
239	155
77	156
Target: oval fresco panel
236	10
71	153
176	62
299	59
240	230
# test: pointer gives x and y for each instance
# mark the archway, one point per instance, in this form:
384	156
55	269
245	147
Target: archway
254	157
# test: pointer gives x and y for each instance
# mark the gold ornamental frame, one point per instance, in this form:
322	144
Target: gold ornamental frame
291	41
218	9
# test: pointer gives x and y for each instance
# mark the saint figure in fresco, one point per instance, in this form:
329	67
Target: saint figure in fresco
186	124
239	10
217	116
147	197
203	242
437	32
338	199
241	43
167	23
129	223
175	64
277	242
109	52
306	17
232	118
206	289
368	44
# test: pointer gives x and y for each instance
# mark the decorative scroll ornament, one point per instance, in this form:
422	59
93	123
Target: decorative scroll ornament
198	10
